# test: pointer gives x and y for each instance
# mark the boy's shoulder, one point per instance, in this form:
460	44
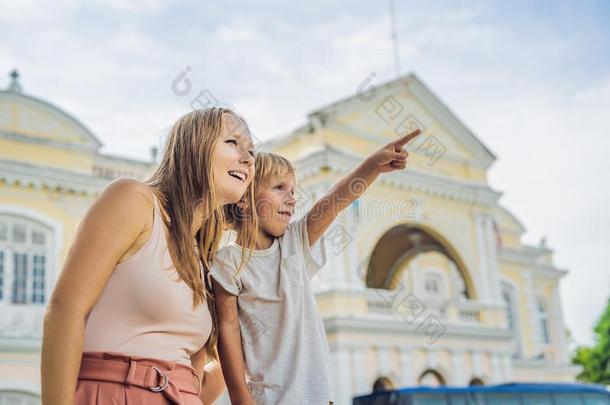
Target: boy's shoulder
228	252
294	232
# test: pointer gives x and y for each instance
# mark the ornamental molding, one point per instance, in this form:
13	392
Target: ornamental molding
331	160
44	177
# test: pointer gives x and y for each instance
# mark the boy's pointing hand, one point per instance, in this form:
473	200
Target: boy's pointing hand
393	156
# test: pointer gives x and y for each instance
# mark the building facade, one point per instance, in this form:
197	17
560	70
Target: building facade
51	170
427	280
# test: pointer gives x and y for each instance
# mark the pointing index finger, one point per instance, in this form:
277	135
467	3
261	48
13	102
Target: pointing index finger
407	138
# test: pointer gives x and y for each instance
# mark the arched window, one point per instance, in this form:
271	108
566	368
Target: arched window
543	322
24	260
431	378
383	383
476	381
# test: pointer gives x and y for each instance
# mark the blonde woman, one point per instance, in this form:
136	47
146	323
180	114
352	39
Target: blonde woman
129	321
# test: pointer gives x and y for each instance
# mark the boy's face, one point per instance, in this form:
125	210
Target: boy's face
275	204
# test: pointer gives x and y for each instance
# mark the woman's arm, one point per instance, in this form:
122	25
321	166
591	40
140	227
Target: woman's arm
229	347
210	375
106	233
389	158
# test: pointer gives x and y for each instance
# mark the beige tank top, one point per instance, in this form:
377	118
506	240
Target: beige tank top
145	309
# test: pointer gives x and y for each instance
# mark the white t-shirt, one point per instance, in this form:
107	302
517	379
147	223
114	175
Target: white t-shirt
283	338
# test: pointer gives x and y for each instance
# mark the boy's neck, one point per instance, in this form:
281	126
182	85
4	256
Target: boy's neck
263	240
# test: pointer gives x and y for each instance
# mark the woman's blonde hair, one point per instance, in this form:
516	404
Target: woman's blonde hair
183	180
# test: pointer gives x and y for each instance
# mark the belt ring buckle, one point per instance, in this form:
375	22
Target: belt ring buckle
164	379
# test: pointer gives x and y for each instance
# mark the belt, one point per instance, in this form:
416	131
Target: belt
142	373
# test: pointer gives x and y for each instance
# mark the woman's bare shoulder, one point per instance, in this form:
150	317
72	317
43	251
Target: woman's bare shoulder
126	200
135	194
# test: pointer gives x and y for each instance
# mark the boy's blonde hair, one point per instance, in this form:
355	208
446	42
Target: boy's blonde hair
269	165
243	220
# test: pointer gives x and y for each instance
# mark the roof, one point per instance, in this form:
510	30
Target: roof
412	84
17	96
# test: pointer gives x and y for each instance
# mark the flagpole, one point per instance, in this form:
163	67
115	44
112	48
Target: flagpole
394	37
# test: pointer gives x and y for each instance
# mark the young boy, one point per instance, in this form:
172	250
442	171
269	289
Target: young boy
272	344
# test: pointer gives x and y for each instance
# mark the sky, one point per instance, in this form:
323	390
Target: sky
531	79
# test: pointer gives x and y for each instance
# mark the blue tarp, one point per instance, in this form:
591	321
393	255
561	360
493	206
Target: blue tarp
517	388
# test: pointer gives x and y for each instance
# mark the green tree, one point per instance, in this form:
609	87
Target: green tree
595	360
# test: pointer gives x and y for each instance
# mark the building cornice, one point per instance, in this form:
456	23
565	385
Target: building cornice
528	256
376	326
329	159
41	177
546	364
48	142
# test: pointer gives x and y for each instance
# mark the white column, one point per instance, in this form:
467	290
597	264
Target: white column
338	242
383	354
496	371
532	314
483	260
507	367
341	375
477	364
358	362
492	249
406	367
333	275
488	259
352	258
558	324
457	364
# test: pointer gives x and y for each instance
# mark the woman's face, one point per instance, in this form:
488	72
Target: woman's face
233	160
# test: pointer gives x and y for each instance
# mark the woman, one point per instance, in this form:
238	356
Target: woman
129	320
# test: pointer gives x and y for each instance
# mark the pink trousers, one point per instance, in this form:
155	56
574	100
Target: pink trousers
116	379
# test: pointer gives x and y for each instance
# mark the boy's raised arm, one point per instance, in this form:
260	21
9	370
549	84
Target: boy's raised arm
387	159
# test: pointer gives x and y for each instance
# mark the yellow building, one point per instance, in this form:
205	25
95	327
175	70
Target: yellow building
427	281
50	172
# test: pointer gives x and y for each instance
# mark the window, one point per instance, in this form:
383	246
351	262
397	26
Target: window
432	284
38	279
37	238
19	278
510	309
19	233
24	260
